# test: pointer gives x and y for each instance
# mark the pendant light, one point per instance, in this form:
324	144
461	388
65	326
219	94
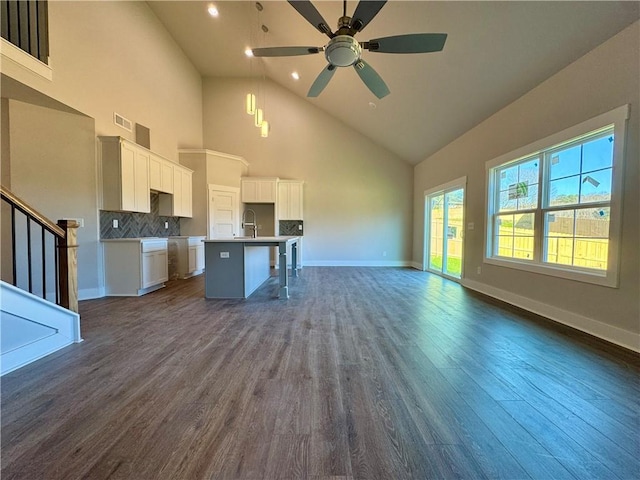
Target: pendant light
264	129
251	104
259	117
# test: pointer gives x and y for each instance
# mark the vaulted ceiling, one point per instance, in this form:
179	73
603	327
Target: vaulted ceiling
495	52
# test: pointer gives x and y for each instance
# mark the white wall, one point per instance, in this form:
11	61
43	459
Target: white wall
53	169
357	195
105	57
605	78
117	57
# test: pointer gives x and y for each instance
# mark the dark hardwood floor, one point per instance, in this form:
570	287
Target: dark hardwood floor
364	373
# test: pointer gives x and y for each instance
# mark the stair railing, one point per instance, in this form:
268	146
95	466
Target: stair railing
64	263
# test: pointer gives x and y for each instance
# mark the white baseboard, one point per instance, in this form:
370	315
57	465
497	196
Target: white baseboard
610	333
356	263
90	293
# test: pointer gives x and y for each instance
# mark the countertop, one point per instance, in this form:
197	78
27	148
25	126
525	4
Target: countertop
278	239
136	239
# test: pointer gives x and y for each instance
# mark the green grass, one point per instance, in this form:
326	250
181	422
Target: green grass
454	265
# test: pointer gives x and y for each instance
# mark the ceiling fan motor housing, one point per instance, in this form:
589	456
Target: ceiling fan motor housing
343	51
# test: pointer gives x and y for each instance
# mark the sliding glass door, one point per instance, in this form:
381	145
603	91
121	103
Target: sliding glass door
444	221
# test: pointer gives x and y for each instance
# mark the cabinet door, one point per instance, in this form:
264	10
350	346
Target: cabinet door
185	206
177	192
266	191
161	266
154	268
155	173
148	269
249	191
127	177
200	257
192	259
283	201
166	177
141	182
295	201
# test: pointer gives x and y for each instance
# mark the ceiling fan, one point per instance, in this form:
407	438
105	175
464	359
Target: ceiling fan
343	50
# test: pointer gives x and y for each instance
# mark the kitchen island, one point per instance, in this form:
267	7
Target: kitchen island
236	267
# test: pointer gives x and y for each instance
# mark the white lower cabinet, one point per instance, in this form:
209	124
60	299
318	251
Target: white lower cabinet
135	266
188	253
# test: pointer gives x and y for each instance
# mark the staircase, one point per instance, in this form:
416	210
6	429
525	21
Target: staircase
32	328
38	290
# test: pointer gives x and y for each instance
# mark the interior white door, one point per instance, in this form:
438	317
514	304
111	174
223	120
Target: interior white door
223	213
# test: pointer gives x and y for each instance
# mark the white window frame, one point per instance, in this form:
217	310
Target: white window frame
609	278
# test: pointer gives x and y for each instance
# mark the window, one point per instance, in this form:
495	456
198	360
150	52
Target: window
554	206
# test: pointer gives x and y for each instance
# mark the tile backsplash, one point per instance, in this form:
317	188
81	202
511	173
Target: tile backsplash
291	227
134	225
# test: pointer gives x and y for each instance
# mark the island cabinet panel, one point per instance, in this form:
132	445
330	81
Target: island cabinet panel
258	190
125	176
224	270
290	203
235	268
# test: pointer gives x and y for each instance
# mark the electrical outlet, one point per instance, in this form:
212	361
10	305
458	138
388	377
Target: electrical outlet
384	254
479	270
114	223
166	225
224	254
300	227
471	226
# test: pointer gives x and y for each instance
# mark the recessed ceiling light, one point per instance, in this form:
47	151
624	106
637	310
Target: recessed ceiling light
248	52
295	75
213	11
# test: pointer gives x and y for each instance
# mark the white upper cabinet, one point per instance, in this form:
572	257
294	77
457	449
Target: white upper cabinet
179	204
160	174
125	176
290	204
258	190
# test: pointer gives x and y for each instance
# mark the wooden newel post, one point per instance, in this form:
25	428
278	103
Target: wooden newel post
68	269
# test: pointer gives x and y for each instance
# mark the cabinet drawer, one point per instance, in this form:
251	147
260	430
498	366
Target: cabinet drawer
153	245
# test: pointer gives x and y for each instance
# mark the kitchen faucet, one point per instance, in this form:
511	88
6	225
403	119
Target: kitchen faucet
253	224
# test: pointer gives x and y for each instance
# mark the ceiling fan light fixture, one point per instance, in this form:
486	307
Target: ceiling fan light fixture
259	117
213	11
295	75
250	104
343	51
248	52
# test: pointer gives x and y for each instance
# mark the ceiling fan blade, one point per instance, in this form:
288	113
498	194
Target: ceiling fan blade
365	11
309	12
410	43
284	51
371	79
322	80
